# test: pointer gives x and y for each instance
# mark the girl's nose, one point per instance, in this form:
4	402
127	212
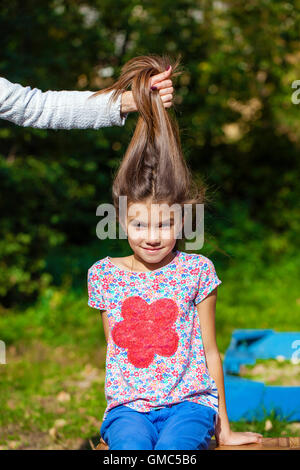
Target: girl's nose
153	237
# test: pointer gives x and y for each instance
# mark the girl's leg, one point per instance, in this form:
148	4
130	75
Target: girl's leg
189	426
127	429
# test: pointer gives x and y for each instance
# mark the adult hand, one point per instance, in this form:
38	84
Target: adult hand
160	82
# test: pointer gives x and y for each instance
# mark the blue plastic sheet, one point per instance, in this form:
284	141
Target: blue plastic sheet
248	399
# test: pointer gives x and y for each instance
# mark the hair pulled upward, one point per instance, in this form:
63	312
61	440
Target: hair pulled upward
153	168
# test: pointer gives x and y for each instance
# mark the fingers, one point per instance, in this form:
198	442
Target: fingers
257	434
160	77
240	438
167	100
253	437
166	91
163	84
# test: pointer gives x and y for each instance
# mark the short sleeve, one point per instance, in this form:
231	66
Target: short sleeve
96	299
208	280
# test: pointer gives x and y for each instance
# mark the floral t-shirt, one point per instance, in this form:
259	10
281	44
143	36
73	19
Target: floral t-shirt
155	354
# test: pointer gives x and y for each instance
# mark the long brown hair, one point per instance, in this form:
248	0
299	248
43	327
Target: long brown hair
153	167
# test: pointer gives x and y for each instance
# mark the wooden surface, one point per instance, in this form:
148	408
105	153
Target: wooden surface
268	443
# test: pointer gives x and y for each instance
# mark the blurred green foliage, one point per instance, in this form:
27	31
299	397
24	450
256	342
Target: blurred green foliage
239	128
240	132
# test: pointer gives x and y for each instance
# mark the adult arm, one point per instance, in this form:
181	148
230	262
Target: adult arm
58	109
73	109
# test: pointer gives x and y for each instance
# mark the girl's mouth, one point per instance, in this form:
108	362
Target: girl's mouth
150	250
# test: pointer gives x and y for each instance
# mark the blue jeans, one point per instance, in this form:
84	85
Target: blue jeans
182	426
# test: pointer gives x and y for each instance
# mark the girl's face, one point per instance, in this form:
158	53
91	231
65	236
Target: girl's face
152	228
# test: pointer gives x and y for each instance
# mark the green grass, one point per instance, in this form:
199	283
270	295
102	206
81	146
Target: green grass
57	345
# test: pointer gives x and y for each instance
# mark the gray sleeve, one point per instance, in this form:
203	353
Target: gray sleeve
58	109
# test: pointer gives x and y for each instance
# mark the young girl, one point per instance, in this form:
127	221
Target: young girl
164	380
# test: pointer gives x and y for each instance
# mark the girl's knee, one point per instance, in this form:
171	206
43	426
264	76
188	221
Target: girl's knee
130	443
170	444
180	444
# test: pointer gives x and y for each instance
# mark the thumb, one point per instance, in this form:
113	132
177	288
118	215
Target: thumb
160	76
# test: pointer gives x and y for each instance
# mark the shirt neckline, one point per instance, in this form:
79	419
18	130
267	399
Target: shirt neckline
174	261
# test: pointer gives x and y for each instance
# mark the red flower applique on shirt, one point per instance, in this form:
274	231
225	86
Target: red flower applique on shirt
147	329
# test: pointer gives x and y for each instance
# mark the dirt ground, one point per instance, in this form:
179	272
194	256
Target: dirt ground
273	372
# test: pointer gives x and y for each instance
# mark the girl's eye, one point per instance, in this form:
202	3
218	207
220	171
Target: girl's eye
138	225
141	225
